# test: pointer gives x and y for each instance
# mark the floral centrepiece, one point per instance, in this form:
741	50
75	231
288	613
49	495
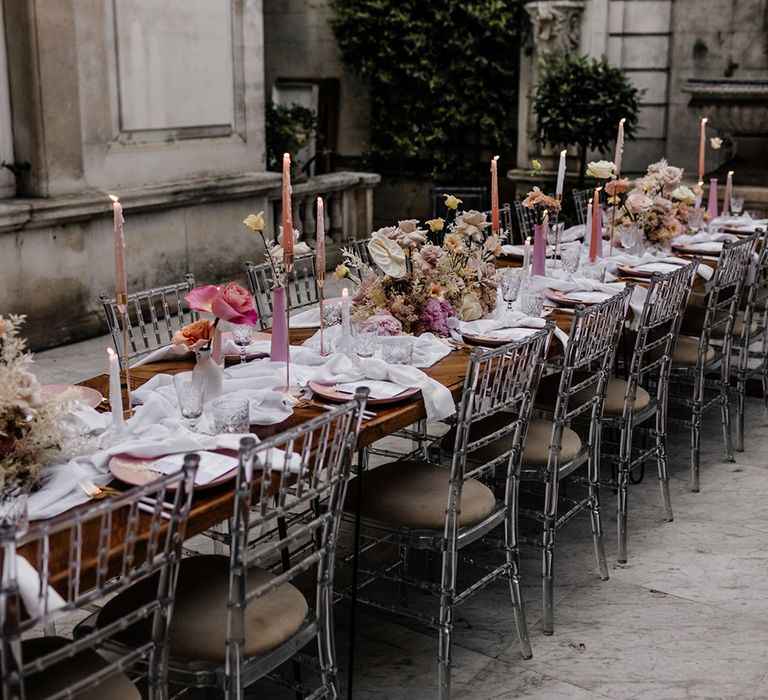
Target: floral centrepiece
31	430
658	203
425	287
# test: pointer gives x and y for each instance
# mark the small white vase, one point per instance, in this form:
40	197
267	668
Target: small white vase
206	365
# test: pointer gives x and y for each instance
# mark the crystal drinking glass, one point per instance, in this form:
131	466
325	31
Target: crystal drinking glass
241	334
331	315
531	302
510	281
366	339
397	350
570	255
190	390
594	271
737	204
630	236
230	415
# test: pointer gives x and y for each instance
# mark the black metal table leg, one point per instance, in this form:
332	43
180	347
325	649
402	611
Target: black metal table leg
355	570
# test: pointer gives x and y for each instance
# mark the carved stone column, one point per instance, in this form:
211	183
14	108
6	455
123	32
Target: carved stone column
556	31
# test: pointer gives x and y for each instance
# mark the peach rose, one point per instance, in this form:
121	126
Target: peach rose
193	333
235	304
615	187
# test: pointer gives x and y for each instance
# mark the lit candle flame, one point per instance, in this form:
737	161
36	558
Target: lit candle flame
111	353
114	198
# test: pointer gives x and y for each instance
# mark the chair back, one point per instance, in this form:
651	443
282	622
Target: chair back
724	295
505	220
757	291
500	380
301	471
471	198
360	248
153	316
302	289
89	554
657	331
525	221
581	200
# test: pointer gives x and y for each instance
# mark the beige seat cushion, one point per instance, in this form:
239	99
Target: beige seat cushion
199	622
687	351
614	395
693	322
535	450
65	673
414	495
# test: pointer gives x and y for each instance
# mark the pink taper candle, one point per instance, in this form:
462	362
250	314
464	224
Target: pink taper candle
287	213
702	147
619	148
727	197
320	241
596	242
495	228
538	266
712	208
121	282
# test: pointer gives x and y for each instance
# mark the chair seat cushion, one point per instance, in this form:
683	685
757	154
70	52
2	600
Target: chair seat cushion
614	395
199	621
687	351
60	676
414	494
535	450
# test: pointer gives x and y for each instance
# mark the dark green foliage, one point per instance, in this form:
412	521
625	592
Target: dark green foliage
443	78
288	129
579	101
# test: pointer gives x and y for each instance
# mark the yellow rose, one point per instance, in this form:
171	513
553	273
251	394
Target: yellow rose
255	221
341	272
435	225
451	201
536	165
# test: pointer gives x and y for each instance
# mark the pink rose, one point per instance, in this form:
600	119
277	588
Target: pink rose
235	304
231	303
662	204
384	322
638	203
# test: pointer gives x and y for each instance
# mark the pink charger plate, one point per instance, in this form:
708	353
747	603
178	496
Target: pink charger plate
136	471
327	391
89	396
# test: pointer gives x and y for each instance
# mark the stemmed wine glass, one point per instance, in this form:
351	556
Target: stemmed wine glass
510	281
190	392
737	204
241	334
570	256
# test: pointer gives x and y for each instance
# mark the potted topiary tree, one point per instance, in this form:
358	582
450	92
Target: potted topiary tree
579	102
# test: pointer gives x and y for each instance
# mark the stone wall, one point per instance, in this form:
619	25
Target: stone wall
300	45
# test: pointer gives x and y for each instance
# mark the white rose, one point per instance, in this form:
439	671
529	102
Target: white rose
684	194
389	256
299	247
471	224
600	169
670	175
470	308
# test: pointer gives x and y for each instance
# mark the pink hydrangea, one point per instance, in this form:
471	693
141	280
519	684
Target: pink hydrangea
435	315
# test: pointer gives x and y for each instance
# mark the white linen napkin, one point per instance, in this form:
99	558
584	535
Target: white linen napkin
266	407
636	302
338	369
427	347
648	258
32	592
508	324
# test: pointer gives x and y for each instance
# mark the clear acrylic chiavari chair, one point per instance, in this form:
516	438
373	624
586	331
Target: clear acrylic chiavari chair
238	618
629	403
525	220
100	563
359	246
581	200
750	342
695	358
418	505
576	392
154	315
505	221
302	290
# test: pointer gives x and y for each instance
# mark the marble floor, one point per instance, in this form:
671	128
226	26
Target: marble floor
686	617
